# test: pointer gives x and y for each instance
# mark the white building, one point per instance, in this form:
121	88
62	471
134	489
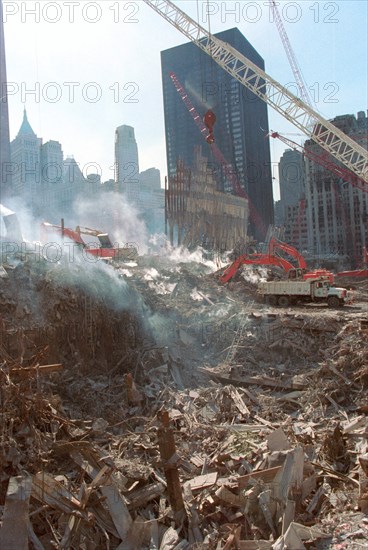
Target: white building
126	163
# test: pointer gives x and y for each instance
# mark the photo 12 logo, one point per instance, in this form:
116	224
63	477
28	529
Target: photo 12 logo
253	12
71	92
71	252
71	12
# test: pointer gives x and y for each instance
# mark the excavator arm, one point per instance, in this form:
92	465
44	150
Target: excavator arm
273	259
255	259
47	228
293	252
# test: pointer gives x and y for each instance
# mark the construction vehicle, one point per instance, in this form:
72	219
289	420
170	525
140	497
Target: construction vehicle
272	258
357	273
106	250
318	290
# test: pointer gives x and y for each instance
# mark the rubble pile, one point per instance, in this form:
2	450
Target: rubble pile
73	314
193	417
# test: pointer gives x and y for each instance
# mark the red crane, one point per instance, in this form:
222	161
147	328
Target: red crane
325	161
206	129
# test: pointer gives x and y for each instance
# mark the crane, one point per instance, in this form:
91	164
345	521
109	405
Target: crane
303	90
294	109
324	161
208	136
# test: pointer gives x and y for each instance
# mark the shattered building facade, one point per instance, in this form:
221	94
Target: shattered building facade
200	215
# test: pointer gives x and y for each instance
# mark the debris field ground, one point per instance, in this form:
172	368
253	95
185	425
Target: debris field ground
147	406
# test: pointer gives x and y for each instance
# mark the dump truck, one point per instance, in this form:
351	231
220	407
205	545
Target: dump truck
285	293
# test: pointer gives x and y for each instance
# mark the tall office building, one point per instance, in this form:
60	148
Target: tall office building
337	211
49	185
126	163
152	200
25	156
292	199
5	170
291	179
240	128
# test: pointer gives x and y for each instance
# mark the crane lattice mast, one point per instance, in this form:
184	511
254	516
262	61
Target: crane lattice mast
296	111
303	90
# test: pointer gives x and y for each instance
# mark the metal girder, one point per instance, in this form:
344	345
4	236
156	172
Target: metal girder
323	132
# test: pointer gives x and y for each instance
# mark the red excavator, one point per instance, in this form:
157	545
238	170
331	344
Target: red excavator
357	273
272	258
106	250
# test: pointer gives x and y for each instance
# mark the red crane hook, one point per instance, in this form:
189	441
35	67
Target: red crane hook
209	120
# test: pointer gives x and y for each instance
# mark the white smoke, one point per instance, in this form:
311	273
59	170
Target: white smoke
5	211
113	214
254	275
183	255
29	227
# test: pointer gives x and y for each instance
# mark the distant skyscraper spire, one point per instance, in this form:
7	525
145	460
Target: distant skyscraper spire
5	176
26	128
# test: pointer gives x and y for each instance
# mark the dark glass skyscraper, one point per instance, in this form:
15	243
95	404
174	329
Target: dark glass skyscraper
5	182
240	128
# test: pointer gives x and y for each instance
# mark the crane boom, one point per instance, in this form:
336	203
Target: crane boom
296	111
291	55
336	169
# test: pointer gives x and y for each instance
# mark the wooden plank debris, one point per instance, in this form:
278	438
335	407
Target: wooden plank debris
109	488
15	520
201	482
244	458
239	403
38	370
140	497
255	381
277	441
169	458
266	476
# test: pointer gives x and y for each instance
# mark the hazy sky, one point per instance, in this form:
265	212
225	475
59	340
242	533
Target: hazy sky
82	68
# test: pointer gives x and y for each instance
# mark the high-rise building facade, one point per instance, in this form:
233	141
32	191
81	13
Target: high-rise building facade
291	179
25	158
5	159
337	211
240	128
48	184
126	163
292	198
152	200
